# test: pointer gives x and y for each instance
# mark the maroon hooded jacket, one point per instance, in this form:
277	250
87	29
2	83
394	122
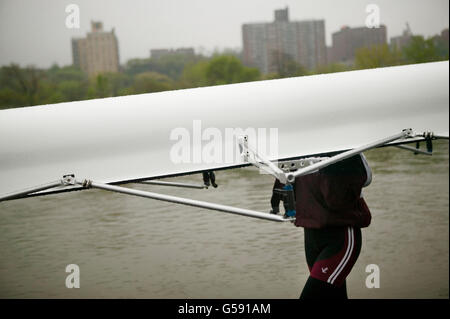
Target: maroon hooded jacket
332	196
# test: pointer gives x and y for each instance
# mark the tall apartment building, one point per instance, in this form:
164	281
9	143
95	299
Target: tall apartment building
98	52
347	40
301	41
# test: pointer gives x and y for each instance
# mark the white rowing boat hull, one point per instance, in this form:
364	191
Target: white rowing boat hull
128	138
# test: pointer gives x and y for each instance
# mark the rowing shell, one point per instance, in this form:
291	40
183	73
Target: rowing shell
128	138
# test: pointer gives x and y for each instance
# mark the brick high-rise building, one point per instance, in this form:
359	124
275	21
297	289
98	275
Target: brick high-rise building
264	44
98	52
348	40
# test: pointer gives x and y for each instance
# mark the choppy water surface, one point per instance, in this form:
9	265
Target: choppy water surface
129	247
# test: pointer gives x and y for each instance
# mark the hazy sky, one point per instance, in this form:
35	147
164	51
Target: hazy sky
34	31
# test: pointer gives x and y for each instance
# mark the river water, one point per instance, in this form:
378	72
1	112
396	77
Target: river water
129	247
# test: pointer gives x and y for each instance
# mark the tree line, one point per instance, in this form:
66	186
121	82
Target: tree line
26	86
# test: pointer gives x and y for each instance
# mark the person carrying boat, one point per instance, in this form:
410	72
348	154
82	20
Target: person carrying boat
330	207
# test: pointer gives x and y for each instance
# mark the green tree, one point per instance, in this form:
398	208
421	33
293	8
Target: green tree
99	87
441	47
285	65
11	98
151	82
57	74
63	84
376	57
229	69
420	50
26	82
72	90
117	82
332	68
194	74
136	66
171	65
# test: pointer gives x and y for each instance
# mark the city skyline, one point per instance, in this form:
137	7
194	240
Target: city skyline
39	27
268	46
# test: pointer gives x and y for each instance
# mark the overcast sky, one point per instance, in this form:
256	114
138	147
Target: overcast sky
34	31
